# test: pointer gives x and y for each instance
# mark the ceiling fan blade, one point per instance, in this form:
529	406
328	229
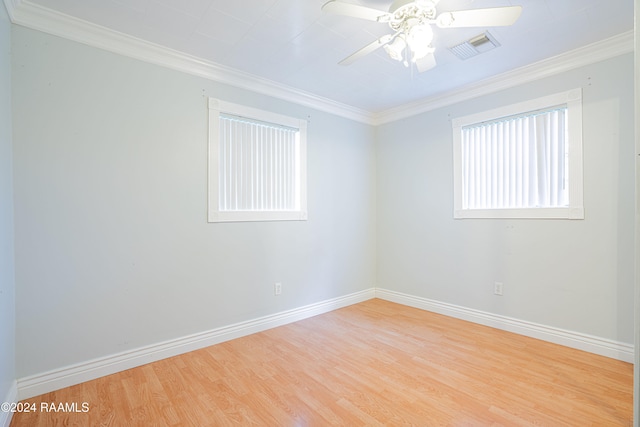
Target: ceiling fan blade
491	17
426	63
367	49
353	10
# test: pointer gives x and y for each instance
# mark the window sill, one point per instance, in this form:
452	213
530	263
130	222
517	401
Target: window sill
525	213
247	216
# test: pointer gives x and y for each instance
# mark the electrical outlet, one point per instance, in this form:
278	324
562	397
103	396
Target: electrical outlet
277	288
497	288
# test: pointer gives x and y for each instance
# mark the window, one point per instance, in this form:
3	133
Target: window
257	165
520	161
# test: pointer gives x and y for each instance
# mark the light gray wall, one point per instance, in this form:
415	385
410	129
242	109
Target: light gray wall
7	283
574	275
113	250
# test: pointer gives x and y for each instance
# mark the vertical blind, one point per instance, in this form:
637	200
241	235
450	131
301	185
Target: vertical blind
259	166
516	162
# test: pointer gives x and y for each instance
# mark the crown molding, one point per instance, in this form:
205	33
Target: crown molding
11	5
43	19
52	22
590	54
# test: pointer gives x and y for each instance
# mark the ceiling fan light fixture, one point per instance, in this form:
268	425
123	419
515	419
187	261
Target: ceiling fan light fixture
411	22
396	48
419	39
423	53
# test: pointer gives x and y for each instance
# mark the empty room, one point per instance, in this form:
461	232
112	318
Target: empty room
313	213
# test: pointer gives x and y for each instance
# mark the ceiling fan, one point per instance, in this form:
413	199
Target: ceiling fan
411	22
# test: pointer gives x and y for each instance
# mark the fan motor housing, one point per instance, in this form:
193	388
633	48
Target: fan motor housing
402	11
420	4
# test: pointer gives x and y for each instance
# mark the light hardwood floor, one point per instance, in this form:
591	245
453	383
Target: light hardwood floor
376	364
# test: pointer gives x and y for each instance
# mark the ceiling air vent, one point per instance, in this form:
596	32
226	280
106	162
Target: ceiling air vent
475	46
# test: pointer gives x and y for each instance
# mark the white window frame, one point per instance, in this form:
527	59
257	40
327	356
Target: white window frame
573	101
215	214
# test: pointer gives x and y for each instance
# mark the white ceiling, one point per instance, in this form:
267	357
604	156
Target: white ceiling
293	43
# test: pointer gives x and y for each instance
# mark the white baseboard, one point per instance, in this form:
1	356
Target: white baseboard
71	375
75	374
11	397
592	344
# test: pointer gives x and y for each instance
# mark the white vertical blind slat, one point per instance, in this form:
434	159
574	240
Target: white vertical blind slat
517	162
259	170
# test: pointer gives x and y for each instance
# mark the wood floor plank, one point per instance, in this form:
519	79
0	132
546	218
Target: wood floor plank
373	363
